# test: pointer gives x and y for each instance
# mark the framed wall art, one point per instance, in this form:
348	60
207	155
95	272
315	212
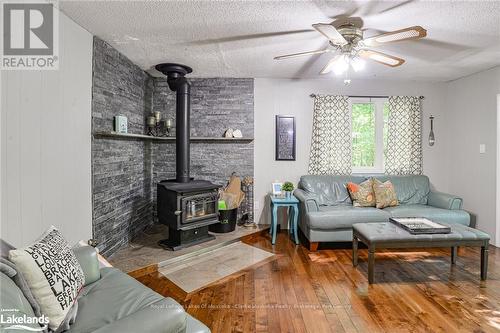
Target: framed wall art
285	138
276	187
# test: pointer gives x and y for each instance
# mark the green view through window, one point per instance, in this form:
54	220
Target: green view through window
369	134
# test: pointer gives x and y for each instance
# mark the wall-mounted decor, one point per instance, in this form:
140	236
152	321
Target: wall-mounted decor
432	140
121	125
285	138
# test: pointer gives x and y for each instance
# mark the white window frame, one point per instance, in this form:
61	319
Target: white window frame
378	103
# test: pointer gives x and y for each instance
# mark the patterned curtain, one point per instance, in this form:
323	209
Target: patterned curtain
403	154
331	137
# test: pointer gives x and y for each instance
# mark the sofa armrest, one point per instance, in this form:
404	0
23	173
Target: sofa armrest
307	199
87	258
193	325
444	200
164	316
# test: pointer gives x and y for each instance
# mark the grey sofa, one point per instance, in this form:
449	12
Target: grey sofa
327	213
110	302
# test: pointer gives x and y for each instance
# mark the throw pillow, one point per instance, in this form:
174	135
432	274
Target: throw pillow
362	194
53	274
385	194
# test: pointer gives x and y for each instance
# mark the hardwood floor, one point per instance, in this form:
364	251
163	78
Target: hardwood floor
303	291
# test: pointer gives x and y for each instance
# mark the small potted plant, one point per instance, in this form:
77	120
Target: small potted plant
287	188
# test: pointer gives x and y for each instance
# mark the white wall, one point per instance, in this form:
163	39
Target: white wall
291	97
45	144
498	173
472	106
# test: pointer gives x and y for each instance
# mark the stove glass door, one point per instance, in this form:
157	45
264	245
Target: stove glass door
199	207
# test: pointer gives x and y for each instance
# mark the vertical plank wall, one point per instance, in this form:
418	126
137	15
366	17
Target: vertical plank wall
45	144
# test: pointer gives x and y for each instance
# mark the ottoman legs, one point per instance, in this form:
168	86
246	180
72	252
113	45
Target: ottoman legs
484	262
371	264
453	255
355	251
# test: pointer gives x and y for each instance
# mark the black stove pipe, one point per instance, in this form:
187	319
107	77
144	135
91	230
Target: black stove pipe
177	82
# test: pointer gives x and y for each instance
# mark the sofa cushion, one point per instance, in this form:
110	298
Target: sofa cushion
343	217
362	195
412	189
164	316
432	213
113	297
329	189
385	194
53	274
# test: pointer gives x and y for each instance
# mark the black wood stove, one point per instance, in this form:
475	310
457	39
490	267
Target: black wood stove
185	205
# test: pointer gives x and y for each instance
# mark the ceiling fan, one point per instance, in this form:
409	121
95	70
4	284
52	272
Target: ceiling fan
347	40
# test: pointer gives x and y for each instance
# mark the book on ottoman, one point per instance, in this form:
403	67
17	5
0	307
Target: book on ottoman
420	225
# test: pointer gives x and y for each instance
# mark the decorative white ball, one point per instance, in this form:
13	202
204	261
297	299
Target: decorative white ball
237	134
228	133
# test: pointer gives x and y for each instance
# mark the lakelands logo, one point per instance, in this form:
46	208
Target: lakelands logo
30	32
13	319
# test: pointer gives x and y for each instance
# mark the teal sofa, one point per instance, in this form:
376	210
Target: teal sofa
110	302
327	213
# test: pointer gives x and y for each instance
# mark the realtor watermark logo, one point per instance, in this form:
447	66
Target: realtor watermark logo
30	32
13	319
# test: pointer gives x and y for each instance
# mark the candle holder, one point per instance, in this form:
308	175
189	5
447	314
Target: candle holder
157	126
167	125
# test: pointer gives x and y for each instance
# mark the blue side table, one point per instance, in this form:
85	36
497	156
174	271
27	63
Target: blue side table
293	207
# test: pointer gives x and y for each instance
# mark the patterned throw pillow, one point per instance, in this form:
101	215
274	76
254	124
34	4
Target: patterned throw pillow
385	195
362	194
53	274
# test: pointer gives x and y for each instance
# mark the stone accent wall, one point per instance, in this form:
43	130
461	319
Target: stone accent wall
121	169
125	172
216	105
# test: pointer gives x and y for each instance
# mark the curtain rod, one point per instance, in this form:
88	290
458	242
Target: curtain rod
355	96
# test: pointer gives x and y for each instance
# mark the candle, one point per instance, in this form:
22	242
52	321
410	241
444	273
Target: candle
157	116
151	121
168	123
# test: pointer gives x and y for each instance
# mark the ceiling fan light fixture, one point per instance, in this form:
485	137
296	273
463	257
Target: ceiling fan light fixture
358	64
341	65
353	49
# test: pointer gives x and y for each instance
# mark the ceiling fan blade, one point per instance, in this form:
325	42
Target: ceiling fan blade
382	58
329	66
415	32
300	54
331	33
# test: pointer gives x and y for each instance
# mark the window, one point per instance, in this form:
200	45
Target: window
369	134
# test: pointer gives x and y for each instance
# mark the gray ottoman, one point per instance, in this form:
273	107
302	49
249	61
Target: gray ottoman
387	235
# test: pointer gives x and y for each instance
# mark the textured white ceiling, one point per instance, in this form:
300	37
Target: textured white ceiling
240	38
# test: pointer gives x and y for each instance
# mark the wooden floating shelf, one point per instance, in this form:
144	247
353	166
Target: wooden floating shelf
171	139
